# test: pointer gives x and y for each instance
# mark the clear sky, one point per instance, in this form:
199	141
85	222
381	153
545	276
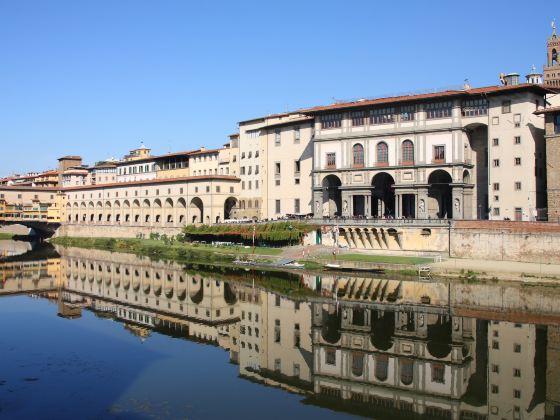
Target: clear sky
96	77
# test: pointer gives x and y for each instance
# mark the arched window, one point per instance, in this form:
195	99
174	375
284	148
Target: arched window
554	57
407	152
358	155
382	153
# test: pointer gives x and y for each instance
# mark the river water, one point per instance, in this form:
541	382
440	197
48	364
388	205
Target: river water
93	334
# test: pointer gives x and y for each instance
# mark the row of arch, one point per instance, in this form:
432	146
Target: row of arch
437	204
156	212
382	153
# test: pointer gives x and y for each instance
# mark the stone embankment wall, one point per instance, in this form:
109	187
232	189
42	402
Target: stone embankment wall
101	231
491	240
506	241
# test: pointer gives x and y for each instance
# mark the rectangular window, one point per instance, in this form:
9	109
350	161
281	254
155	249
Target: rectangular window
296	206
517	120
496	368
516	393
277	207
496	186
517	373
437	110
496	212
243	170
331	121
277	137
331	160
277	168
242	185
494	389
506	107
217	188
517	348
495	142
518	214
253	134
474	107
517	139
357	118
517	186
250	185
207	189
296	181
256	169
407	113
257	184
517	161
277	182
496	198
557	124
330	357
495	120
297	167
438	373
496	163
439	154
297	135
382	116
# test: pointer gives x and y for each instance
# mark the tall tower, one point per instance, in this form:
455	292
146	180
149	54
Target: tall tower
552	68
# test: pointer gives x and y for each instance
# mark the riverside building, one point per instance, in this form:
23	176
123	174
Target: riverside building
464	154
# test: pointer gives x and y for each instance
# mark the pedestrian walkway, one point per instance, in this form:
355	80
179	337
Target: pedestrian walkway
490	268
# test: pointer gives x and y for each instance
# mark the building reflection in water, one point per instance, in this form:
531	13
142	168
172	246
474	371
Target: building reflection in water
373	347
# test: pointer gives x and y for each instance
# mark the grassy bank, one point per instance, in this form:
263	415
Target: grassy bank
183	252
4	235
384	259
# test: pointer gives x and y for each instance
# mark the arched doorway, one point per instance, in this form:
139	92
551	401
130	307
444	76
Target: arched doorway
440	195
197	210
169	212
230	207
182	210
383	195
157	208
332	197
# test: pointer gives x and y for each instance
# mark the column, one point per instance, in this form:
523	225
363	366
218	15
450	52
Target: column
367	204
398	203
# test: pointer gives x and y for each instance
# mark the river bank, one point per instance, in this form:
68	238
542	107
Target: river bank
314	258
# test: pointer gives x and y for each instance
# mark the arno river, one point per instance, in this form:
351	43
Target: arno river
93	334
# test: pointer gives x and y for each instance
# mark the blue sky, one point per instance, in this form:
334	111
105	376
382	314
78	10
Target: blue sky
96	77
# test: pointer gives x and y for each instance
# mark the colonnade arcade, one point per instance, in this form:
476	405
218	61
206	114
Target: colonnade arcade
439	198
147	212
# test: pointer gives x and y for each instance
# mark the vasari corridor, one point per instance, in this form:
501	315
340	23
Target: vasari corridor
279	210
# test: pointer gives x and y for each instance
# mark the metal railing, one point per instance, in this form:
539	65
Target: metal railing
347	221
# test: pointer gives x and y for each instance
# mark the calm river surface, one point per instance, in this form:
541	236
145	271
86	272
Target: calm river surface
93	334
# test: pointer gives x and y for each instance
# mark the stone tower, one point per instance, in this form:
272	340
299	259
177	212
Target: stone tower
552	67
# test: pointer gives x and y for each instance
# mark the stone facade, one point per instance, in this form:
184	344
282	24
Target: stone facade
476	153
552	136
